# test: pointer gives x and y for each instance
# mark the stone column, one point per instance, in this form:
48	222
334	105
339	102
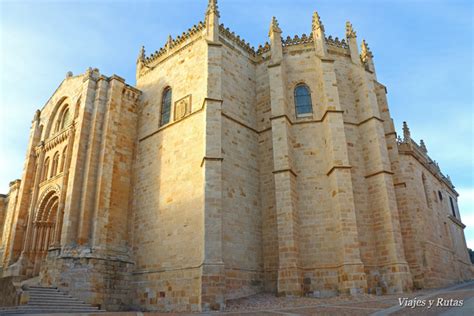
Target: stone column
91	164
213	274
100	216
289	278
395	276
29	184
27	246
352	278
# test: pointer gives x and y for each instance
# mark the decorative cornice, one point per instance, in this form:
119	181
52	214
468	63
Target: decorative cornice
296	40
226	32
58	138
170	44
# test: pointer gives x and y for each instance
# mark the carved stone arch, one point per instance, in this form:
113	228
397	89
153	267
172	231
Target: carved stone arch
54	114
45	198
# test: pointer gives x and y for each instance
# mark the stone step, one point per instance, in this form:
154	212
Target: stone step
57	303
48	295
42	289
47	300
57	308
54	300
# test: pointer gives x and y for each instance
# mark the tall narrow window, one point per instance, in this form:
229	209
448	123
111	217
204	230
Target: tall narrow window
63	160
54	166
165	107
427	198
63	119
66	118
45	170
303	100
452	206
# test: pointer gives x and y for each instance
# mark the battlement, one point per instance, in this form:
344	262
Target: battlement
173	45
407	145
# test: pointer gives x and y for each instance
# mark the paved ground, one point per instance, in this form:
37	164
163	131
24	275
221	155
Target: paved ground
440	299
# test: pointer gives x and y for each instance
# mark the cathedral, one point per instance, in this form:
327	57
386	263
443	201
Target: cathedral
226	171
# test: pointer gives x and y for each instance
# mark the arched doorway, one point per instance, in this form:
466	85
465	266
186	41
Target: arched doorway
44	228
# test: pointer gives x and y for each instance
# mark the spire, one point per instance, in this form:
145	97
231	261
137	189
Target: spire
423	146
212	7
406	133
317	24
350	33
276	47
274	27
319	38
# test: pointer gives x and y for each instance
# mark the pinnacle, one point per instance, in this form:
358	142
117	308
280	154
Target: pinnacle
317	24
274	27
350	33
212	7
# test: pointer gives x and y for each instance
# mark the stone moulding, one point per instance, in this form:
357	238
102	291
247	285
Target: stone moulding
58	138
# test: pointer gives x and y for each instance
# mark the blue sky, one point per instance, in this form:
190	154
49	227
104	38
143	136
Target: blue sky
423	52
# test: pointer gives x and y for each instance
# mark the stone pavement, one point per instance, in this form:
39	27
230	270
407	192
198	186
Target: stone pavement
351	306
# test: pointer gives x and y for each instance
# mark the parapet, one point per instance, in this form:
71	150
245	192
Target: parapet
407	145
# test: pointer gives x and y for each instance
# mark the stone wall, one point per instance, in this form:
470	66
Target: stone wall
168	202
434	239
242	224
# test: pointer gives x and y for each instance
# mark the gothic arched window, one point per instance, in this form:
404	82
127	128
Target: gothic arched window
54	166
303	99
45	170
165	107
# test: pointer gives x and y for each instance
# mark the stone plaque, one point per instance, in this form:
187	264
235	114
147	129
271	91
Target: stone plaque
182	107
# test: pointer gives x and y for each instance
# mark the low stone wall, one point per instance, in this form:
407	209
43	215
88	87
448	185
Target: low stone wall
10	291
100	281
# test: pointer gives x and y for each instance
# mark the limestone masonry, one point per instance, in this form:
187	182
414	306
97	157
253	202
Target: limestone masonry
228	171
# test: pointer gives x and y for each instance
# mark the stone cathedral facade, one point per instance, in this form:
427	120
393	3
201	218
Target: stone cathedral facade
228	171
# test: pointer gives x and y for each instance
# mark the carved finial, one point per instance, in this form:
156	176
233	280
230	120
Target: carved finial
274	27
317	24
449	179
350	33
169	42
37	116
406	133
423	146
365	54
141	54
213	8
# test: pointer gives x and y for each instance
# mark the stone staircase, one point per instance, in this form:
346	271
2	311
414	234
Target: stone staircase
46	300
